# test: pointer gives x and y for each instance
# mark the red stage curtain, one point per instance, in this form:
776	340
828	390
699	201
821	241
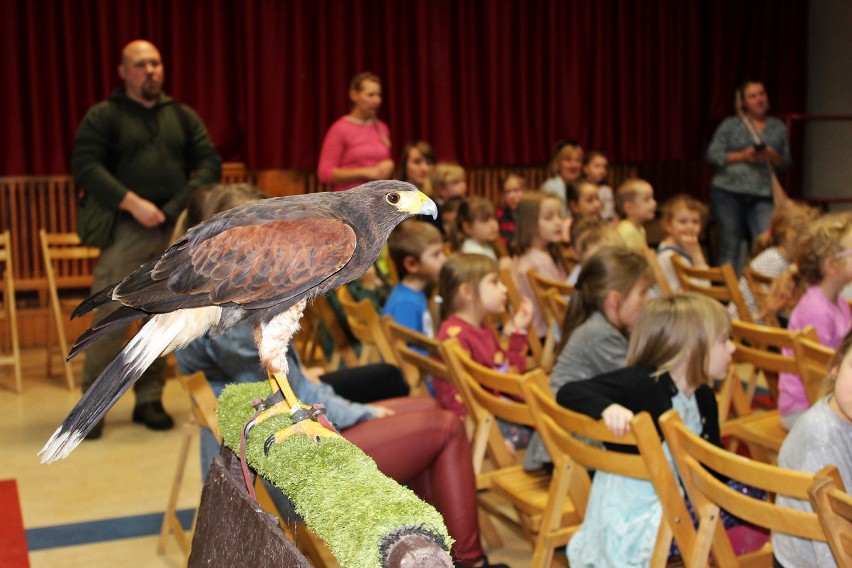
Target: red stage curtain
486	81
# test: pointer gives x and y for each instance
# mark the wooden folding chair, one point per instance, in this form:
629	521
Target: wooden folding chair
815	360
534	341
68	266
697	459
761	348
759	285
11	354
834	510
419	356
719	283
556	304
542	287
320	315
490	395
366	326
572	456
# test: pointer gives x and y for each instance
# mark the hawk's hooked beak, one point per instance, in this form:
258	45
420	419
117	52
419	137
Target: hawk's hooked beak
418	204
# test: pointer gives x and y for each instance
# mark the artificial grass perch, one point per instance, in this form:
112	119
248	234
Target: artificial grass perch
334	486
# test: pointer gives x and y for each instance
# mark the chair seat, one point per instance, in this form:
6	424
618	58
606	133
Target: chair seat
529	491
761	428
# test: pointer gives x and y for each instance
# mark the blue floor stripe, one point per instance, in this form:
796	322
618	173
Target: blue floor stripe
58	536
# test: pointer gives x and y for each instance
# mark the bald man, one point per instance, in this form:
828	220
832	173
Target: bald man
133	154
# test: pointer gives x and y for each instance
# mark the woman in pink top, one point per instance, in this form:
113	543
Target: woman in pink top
357	147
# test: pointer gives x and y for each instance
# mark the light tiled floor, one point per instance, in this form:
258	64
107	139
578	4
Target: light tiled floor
128	472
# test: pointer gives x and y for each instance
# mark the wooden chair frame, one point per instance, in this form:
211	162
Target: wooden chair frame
760	346
365	324
697	458
308	339
719	283
759	284
834	510
419	356
56	249
529	492
572	456
815	360
542	287
659	276
534	341
11	354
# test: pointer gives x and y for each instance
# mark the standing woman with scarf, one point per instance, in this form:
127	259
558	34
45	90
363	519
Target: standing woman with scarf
746	149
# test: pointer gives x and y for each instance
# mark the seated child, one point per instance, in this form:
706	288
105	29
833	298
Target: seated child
683	218
594	171
824	268
582	198
448	180
636	205
513	186
448	211
537	245
476	230
588	235
417	252
772	256
679	345
471	289
821	436
612	289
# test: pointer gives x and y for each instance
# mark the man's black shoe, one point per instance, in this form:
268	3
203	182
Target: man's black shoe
152	415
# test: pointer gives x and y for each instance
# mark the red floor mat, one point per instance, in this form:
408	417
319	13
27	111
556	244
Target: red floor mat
13	539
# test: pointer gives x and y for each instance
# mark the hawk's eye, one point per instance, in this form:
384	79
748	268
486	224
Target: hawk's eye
393	198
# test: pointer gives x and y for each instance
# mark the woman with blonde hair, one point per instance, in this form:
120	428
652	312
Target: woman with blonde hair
566	166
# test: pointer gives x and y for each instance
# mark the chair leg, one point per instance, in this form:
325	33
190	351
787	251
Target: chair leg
489	531
171	523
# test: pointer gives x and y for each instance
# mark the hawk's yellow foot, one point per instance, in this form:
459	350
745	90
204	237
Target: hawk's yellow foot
310	427
282	400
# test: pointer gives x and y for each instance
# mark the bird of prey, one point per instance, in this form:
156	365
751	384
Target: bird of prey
258	263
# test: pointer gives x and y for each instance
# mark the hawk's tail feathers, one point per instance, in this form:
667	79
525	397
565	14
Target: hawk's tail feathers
94	301
153	340
121	317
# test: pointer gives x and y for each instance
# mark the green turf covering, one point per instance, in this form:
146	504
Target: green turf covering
334	486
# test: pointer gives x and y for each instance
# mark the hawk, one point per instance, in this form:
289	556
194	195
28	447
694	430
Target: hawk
260	263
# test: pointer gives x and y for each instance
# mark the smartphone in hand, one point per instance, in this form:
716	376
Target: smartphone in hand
759	147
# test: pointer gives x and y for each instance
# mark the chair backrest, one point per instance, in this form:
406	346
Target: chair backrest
366	326
718	282
514	296
763	347
318	315
834	510
68	264
569	435
697	459
759	284
814	361
419	356
8	312
557	305
490	394
659	276
542	287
